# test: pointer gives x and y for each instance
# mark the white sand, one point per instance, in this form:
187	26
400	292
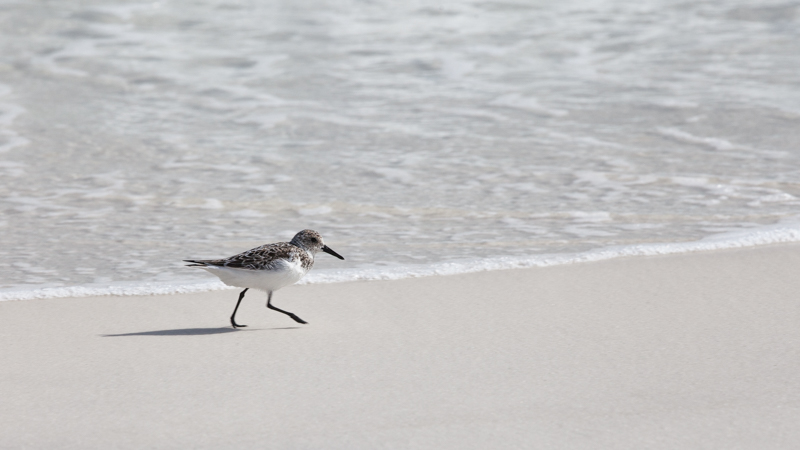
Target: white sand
687	351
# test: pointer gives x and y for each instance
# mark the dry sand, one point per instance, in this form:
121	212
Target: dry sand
686	351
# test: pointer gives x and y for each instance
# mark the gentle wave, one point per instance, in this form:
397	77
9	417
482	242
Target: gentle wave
786	231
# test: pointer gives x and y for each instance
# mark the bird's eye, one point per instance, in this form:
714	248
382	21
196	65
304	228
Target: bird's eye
314	240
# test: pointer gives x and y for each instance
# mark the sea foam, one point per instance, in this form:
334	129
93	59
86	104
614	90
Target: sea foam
787	231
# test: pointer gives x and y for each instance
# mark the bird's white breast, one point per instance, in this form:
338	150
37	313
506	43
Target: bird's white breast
283	273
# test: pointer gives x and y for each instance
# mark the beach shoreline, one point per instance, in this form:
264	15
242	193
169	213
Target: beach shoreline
785	232
692	350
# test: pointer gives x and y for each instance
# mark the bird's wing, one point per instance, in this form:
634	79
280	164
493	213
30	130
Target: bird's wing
259	258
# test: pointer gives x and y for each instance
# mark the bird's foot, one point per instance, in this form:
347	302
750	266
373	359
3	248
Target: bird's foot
236	325
297	319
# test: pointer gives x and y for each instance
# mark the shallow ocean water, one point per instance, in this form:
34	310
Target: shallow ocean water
137	134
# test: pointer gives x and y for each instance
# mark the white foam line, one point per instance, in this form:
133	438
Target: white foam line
711	142
773	234
119	290
765	236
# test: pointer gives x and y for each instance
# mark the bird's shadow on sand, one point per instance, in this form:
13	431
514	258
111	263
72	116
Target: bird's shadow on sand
194	331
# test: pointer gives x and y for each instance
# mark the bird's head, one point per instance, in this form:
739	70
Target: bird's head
311	241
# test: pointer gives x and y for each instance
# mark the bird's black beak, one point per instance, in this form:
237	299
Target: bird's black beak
328	250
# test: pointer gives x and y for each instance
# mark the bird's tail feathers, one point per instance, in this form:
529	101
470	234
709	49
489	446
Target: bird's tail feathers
196	263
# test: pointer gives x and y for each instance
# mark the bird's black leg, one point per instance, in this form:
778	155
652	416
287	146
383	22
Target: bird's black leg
269	305
233	316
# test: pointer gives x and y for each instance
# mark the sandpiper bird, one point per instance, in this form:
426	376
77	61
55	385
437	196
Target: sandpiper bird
269	267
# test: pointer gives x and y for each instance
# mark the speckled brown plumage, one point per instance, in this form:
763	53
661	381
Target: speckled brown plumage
263	257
